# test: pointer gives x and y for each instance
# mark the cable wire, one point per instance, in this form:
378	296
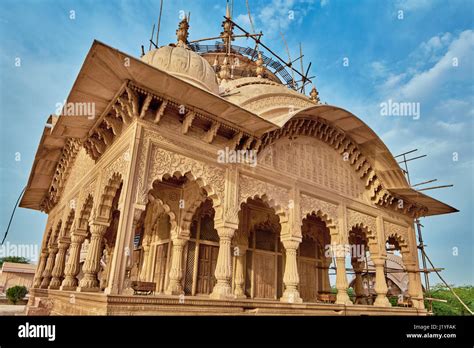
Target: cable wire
13	213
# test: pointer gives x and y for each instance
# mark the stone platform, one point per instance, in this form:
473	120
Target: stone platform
55	302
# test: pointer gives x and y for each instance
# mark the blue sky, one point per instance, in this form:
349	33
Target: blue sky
406	56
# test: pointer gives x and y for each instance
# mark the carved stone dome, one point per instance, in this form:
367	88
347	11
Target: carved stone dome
185	64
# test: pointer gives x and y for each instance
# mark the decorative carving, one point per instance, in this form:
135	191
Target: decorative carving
188	120
400	233
312	159
277	197
357	219
327	211
161	162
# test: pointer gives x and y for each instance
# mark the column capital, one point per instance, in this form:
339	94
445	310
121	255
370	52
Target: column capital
225	232
98	228
291	243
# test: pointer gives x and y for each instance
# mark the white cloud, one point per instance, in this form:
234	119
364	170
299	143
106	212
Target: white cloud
428	82
451	127
412	5
243	20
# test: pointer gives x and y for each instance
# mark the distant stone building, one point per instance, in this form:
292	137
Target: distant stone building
205	182
13	274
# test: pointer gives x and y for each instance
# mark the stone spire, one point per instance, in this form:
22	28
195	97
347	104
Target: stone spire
182	32
228	34
314	95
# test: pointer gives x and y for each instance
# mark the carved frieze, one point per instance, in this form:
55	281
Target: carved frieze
251	187
313	160
326	210
400	233
358	219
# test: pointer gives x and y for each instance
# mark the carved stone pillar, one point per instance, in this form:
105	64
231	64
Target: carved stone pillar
48	269
341	278
290	277
239	279
58	270
326	283
223	273
40	269
144	270
92	263
176	270
72	268
358	267
380	282
413	288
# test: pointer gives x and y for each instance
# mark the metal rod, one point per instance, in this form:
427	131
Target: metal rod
435	187
159	23
424	182
421	246
405	153
411	159
264	46
152	33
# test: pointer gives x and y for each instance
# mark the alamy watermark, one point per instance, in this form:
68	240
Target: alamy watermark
28	251
404	109
76	109
228	155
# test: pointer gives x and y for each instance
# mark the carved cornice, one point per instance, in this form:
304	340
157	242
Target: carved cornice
63	168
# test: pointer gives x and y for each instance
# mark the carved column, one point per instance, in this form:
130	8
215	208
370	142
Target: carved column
176	270
146	256
92	263
72	268
239	280
48	269
326	283
290	277
413	288
58	270
223	273
380	283
358	267
341	278
40	269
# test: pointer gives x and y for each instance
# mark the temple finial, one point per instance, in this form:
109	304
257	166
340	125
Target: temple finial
314	95
182	32
228	33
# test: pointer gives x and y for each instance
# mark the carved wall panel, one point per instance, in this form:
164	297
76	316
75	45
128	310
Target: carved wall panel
397	231
357	219
316	161
277	197
154	162
328	211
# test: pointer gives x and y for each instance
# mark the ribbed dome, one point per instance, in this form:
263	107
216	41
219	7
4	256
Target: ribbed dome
185	64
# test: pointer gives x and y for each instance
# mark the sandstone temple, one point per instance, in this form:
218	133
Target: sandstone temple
146	218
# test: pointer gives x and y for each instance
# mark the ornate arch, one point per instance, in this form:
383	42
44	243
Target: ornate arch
274	196
104	208
166	208
398	235
162	162
65	232
55	234
324	210
83	219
